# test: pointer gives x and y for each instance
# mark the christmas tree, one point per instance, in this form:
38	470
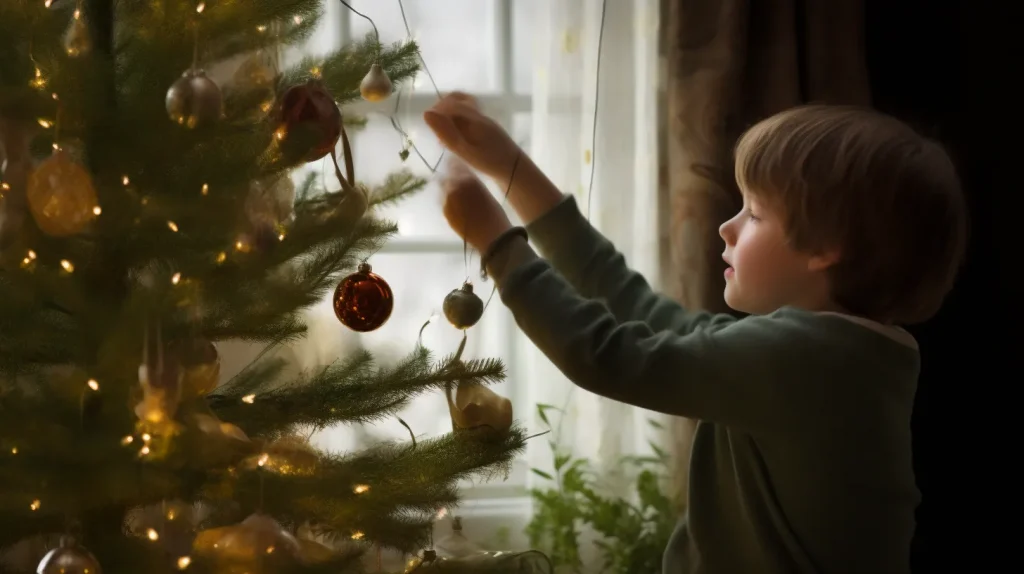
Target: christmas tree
148	212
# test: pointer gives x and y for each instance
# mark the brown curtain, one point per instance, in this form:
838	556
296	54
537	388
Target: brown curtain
729	64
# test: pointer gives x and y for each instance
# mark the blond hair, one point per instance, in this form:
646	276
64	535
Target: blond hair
869	187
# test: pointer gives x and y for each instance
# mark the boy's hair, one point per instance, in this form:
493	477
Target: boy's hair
868	186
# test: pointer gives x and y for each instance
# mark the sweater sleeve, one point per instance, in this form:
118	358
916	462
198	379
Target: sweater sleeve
737	373
597	270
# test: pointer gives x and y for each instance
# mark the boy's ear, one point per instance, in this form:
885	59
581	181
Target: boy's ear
823	260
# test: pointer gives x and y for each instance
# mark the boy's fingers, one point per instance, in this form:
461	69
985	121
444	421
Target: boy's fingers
463	98
443	128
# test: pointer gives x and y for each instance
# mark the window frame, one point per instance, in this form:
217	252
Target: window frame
503	105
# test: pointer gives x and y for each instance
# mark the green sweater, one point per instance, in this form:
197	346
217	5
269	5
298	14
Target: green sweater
801	462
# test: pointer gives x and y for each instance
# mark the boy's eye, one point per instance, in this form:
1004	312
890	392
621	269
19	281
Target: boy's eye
751	216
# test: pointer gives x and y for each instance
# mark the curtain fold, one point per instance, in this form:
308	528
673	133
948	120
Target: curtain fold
729	64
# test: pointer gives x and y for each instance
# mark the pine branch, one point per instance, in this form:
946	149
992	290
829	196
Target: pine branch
396	187
350	391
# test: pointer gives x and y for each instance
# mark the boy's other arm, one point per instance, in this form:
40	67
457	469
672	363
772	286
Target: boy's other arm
734	373
589	261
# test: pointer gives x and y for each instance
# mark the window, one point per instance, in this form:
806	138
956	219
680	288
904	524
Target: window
478	46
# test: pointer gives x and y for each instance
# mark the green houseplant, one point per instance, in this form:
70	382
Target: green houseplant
630	533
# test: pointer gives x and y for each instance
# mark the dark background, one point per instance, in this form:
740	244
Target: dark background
948	68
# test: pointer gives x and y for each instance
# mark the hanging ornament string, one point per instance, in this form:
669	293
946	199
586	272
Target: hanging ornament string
597	96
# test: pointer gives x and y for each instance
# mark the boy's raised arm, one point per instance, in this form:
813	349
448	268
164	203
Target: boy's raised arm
589	261
735	373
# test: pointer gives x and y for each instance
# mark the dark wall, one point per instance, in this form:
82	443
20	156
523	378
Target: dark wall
940	66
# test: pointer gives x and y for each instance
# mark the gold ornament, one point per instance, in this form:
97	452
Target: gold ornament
160	376
462	307
248	546
61	196
194	100
376	85
476	406
69	558
77	41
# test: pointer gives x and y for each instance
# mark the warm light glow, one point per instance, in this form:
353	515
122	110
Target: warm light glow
249	399
171	515
263	459
221	257
34	505
441	513
67	265
144	451
146	437
38	82
266	106
14	450
280	132
316	72
127	440
54	96
78	14
270	549
93	384
175	279
297	19
97	210
280	237
45	123
200	7
152	534
361	488
48	3
125	180
172	226
183	562
206	189
261	28
357	535
5	186
31	254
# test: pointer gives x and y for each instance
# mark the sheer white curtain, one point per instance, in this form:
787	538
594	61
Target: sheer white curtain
622	201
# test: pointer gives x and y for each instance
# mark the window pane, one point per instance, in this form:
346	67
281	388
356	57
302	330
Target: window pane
456	38
420	283
525	14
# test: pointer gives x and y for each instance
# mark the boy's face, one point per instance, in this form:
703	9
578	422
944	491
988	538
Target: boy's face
765	273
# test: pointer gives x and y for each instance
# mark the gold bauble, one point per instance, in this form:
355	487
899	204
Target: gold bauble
376	85
77	41
69	558
247	546
462	307
61	196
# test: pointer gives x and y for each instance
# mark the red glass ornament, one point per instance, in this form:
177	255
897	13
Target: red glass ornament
363	301
311	107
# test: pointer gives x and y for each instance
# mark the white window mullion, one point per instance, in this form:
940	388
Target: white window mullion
503	47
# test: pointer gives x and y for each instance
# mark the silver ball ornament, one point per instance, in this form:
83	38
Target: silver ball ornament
69	558
462	307
194	100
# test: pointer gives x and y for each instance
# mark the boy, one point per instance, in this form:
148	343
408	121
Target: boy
851	225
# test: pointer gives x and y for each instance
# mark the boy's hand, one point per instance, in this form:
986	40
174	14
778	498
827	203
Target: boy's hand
469	207
467	132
